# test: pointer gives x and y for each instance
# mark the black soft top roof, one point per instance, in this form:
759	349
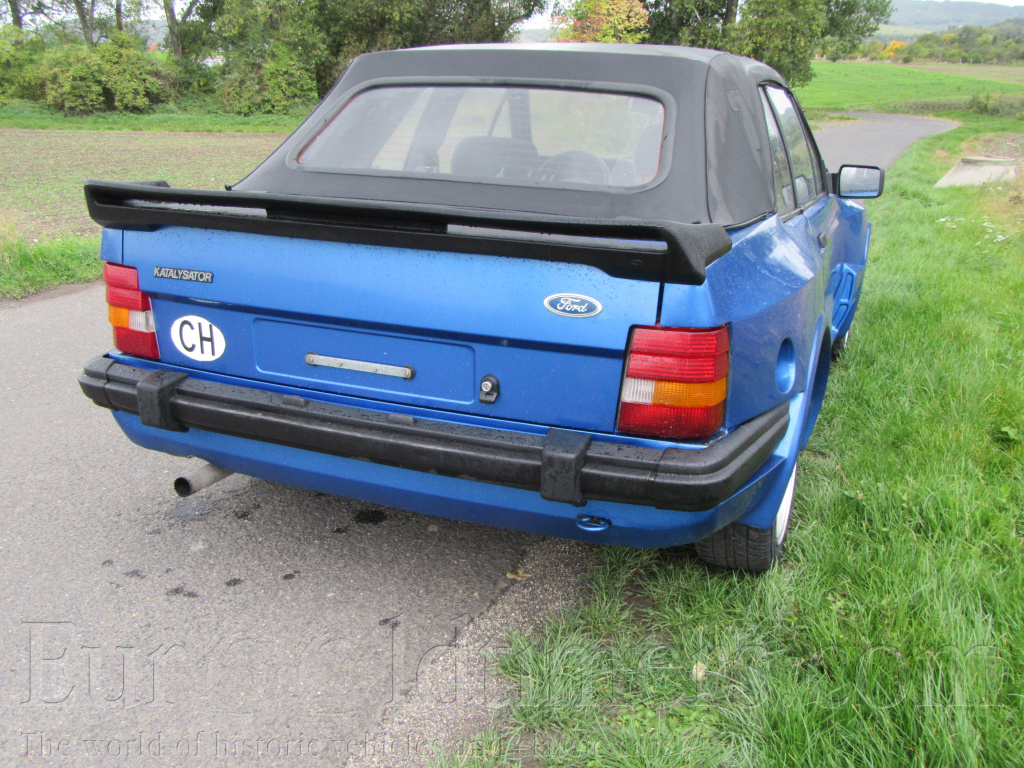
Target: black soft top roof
716	146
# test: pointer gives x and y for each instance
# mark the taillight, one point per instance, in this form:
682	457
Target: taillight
676	381
129	311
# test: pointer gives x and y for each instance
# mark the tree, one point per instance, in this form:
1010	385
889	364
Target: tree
781	33
701	23
84	11
602	21
471	21
16	15
848	22
707	23
325	35
174	22
894	49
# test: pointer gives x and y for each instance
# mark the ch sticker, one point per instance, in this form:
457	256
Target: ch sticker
198	338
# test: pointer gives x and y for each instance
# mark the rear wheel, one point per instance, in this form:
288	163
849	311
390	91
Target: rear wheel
839	346
741	547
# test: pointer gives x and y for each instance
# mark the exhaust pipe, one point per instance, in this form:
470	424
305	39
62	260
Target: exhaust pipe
203	477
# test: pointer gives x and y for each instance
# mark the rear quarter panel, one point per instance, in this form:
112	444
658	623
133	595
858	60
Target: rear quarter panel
770	288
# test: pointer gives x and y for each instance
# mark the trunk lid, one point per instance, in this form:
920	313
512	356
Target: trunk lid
393	325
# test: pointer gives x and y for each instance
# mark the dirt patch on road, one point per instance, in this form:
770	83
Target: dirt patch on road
41	172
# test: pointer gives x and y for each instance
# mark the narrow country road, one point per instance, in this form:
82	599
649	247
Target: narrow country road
252	623
874	139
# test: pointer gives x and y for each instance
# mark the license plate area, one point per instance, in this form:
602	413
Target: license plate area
365	364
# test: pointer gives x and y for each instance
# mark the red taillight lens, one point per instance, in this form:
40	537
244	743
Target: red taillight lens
120	297
136	342
129	312
676	382
118	276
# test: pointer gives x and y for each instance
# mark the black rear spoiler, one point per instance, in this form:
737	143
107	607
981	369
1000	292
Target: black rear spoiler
660	251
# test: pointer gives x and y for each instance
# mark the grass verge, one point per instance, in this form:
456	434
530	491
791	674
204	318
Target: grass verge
27	267
189	116
889	635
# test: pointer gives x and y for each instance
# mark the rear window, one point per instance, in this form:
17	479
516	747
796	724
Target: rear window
527	136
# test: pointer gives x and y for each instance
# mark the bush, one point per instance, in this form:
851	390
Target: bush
240	89
189	76
71	79
995	104
116	75
128	75
287	81
19	54
272	85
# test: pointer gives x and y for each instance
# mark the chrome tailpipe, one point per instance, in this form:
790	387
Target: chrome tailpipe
202	478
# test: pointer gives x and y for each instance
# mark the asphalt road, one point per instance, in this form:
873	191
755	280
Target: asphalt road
221	625
874	139
252	623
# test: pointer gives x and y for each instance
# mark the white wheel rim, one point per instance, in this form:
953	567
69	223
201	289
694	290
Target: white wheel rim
782	516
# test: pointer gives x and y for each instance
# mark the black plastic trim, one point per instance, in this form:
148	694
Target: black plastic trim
561	464
689	248
565	466
154	394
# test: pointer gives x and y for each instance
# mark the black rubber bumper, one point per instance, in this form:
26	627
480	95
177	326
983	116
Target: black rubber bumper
563	466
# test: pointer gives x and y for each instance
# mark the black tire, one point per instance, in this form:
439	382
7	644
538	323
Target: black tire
742	548
839	346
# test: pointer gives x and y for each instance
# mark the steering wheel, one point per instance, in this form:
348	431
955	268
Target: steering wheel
575	167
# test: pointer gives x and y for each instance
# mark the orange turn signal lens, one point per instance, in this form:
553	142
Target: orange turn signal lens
681	395
118	316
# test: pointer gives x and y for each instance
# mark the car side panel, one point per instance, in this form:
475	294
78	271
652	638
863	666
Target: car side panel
770	288
849	257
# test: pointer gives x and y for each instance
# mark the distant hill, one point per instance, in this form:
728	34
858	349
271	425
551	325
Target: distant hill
933	15
888	32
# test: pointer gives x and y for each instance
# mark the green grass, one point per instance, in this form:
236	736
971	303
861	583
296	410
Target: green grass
46	236
845	85
27	267
888	636
1013	73
41	188
195	116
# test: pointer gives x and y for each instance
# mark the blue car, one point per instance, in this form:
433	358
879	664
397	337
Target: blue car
587	291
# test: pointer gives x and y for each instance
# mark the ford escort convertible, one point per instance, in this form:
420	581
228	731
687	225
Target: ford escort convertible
588	291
